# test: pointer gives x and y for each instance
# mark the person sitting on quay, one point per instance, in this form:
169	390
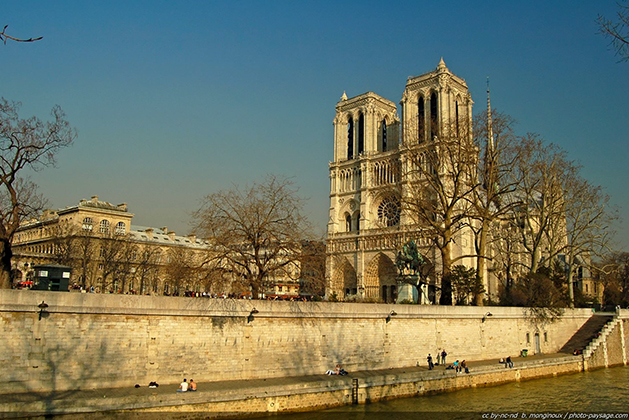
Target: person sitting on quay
183	387
337	371
192	386
508	362
457	367
464	367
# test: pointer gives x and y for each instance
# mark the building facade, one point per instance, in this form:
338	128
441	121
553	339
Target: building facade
370	176
108	253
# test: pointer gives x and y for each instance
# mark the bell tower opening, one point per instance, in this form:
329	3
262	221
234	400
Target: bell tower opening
350	138
361	133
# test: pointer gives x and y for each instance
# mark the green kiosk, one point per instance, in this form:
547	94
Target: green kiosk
51	277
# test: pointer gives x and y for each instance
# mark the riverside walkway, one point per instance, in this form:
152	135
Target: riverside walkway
145	402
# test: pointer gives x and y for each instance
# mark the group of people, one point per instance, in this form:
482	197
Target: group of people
186	386
338	370
507	362
441	359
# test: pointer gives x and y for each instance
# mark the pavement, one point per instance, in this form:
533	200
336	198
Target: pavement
106	399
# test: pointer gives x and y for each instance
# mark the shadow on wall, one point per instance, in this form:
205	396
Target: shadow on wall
44	364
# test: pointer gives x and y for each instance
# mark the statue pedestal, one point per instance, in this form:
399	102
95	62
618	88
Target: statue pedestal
407	292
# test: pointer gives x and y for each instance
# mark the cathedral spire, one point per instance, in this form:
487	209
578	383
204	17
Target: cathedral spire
490	132
490	150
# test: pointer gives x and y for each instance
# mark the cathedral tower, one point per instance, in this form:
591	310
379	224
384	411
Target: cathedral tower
366	226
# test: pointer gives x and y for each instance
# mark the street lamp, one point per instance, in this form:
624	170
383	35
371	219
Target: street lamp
488	314
42	308
392	313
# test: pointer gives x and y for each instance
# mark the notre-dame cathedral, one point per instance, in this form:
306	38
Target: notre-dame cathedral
368	226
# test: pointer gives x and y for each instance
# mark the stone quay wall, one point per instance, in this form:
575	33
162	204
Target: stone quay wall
98	340
610	348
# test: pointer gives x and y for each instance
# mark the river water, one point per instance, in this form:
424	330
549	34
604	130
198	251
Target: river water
601	394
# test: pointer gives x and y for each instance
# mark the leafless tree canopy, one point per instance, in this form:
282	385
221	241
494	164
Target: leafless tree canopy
24	144
617	31
255	231
4	37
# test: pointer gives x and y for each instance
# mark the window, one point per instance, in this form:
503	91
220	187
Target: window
88	224
121	228
361	134
104	226
350	138
433	116
528	338
384	135
421	125
389	211
456	108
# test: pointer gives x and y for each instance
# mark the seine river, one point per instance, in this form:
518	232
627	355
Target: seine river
601	394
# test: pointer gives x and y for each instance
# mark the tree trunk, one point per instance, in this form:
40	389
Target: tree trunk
570	285
5	256
446	281
481	262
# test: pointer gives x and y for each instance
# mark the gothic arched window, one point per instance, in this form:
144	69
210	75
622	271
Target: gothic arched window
421	123
434	127
384	135
350	138
389	211
456	117
361	134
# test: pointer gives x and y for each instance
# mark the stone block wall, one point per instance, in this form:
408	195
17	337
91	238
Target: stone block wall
93	340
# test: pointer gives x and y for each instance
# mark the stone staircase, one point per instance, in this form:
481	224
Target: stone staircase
588	334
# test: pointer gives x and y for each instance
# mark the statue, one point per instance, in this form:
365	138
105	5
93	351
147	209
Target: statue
409	260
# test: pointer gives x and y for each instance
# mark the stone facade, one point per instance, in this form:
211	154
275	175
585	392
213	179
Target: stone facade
369	175
97	239
100	340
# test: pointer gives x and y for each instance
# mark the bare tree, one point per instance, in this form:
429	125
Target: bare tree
588	221
541	173
440	184
125	264
147	269
312	262
181	269
254	231
4	37
614	277
112	253
494	135
617	31
85	246
24	144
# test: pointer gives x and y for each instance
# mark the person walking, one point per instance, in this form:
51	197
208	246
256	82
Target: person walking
430	364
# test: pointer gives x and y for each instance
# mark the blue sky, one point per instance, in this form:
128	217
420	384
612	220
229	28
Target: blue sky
175	100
